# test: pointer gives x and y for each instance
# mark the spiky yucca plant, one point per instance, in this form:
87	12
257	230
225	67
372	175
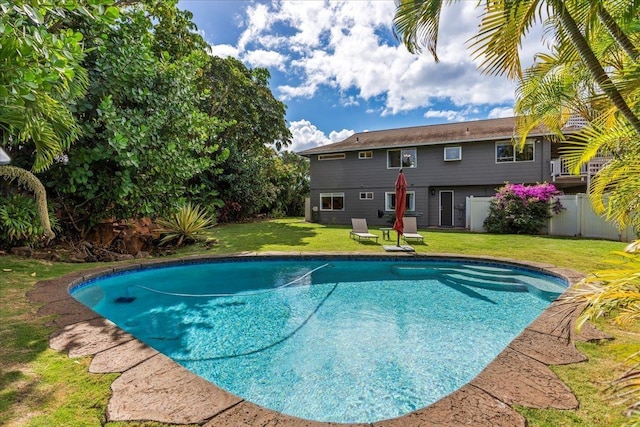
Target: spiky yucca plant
616	292
185	225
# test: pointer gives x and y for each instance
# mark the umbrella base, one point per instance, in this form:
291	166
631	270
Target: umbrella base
395	248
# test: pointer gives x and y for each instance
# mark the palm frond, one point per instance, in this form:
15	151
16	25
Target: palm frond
504	23
417	22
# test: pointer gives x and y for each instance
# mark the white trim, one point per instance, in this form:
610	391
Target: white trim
402	150
366	195
365	154
515	155
389	207
453	159
332	195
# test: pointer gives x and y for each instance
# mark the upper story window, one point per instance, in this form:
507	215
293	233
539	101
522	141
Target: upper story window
404	158
335	156
366	195
331	201
365	154
390	201
452	153
509	152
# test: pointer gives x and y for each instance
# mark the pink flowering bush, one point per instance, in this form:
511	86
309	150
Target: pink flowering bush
522	209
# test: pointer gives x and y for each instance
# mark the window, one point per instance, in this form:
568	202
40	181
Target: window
366	195
390	201
337	156
508	152
452	153
406	158
365	154
331	201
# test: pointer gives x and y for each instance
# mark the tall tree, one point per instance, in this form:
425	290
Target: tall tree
505	23
241	97
40	78
144	136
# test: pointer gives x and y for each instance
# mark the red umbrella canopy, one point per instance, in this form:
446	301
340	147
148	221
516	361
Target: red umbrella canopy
401	196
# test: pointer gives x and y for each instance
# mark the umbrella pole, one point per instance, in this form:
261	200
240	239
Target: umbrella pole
398	233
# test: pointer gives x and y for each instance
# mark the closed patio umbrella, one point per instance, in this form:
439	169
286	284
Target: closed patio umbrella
401	196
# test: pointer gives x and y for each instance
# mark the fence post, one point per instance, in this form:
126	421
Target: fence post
468	216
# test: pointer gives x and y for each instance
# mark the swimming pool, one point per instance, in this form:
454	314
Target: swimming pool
328	339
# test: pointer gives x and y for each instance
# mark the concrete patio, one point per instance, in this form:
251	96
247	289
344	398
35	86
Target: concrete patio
153	387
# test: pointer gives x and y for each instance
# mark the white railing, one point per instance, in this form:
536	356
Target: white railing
560	167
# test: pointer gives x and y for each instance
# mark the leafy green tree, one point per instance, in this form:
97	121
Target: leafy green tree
174	32
40	78
291	177
144	136
242	95
245	185
241	98
41	74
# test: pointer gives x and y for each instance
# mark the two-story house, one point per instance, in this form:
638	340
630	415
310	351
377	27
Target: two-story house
443	164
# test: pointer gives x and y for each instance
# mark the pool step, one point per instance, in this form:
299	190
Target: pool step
485	277
487	283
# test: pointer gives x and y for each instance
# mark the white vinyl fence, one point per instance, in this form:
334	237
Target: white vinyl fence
577	219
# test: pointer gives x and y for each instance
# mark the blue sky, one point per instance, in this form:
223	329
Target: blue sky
339	70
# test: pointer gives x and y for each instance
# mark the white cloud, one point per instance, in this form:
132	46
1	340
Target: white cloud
265	59
223	50
342	45
259	18
346	46
499	112
289	92
336	136
306	135
449	115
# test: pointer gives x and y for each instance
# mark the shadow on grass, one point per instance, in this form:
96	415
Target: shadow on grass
258	235
23	342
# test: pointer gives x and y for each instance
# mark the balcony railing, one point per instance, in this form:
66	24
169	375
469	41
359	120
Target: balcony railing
560	168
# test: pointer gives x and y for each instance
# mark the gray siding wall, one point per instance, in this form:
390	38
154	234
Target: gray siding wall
476	174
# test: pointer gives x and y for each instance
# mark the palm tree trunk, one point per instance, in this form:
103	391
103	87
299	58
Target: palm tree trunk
618	35
30	181
591	61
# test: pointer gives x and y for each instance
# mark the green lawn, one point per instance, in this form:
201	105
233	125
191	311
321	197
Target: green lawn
40	387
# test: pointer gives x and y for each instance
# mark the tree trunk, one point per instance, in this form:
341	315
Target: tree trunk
618	35
593	64
30	181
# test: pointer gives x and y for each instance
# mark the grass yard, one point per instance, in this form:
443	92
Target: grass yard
41	387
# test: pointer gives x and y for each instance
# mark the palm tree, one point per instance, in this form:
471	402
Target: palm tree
506	22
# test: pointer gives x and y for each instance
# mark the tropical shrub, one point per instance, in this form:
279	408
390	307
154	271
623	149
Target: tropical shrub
615	292
522	209
20	223
185	225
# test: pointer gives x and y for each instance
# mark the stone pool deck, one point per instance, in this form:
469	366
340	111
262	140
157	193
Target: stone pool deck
153	387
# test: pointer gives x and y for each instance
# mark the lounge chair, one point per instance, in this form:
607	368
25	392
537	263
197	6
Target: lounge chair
360	230
411	229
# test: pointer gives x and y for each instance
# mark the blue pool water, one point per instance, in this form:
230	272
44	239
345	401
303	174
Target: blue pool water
325	339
